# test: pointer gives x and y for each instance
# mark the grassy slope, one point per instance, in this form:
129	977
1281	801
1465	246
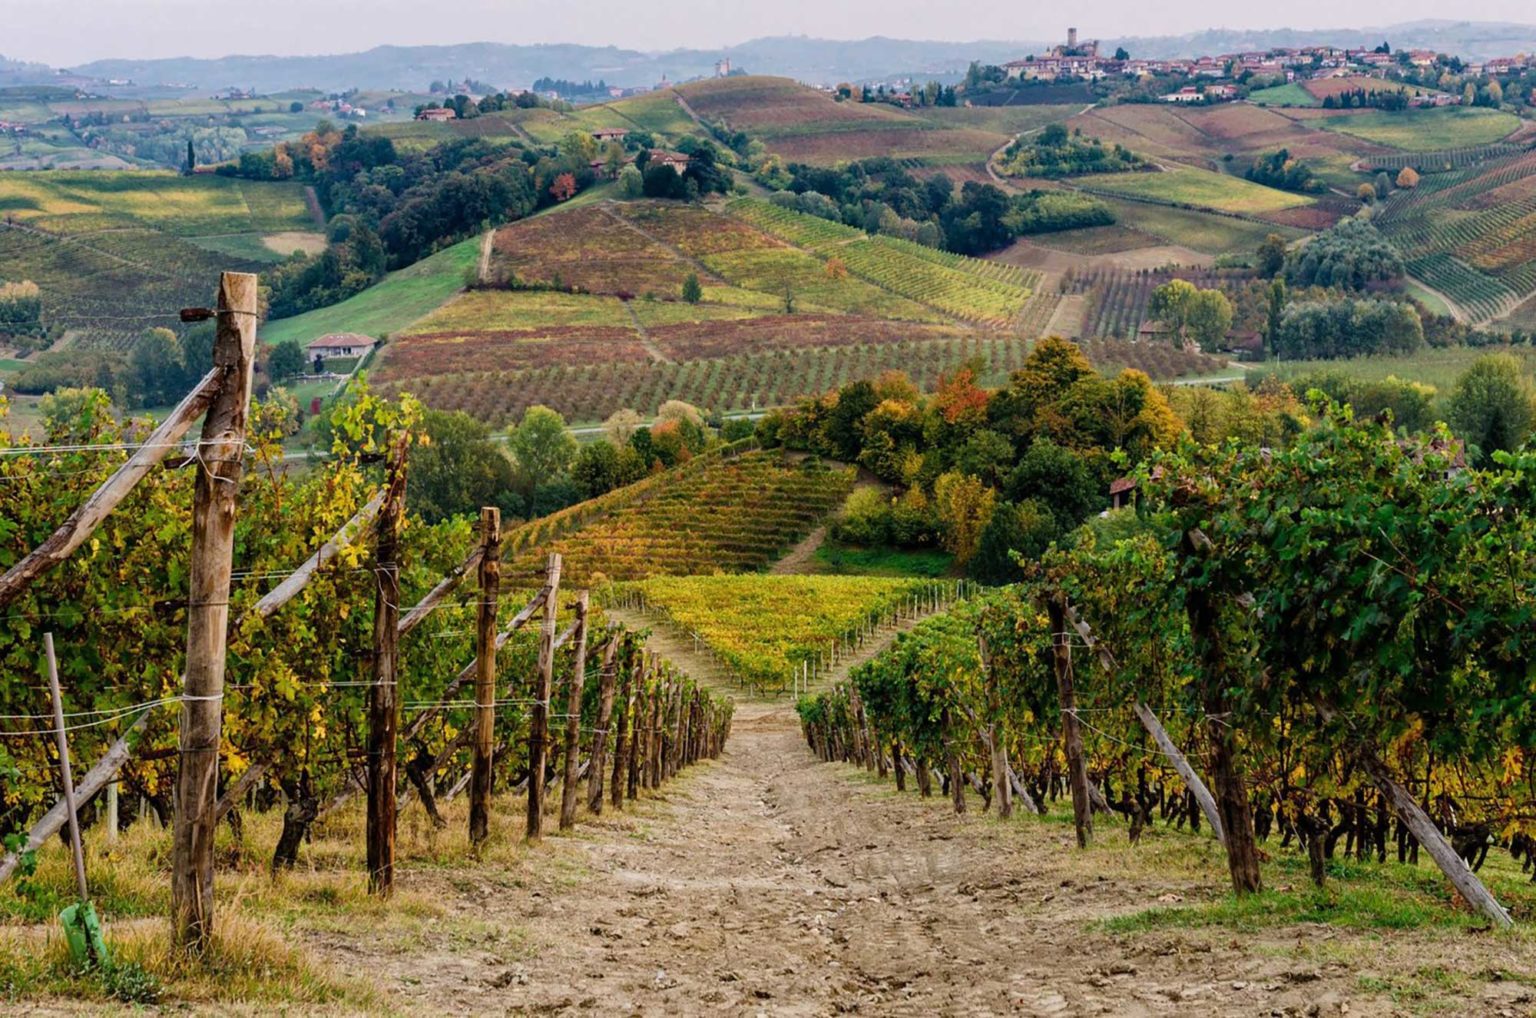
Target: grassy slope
1437	367
1427	130
394	303
1284	95
1187	185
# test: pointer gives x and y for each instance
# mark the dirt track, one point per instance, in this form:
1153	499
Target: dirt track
769	883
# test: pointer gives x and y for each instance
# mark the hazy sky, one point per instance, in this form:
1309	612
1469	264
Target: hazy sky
64	32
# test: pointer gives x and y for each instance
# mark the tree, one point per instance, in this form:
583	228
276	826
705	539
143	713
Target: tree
692	291
1275	311
1366	193
1383	186
621	426
1171	304
631	183
458	469
285	361
1121	53
1060	479
156	361
1469	95
1408	177
1271	255
542	449
1026	529
965	508
563	188
1209	317
1491	408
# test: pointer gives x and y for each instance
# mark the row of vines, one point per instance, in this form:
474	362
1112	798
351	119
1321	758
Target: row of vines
1336	636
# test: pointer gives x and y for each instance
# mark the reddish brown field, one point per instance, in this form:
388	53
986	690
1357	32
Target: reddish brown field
589	250
1322	88
446	353
760	104
703	340
695	231
1307	217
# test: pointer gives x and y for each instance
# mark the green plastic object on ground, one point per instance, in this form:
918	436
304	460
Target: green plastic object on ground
82	930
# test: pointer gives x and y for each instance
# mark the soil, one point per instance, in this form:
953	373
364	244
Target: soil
769	883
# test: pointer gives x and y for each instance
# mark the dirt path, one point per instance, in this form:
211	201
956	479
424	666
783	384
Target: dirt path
652	351
769	883
799	557
487	244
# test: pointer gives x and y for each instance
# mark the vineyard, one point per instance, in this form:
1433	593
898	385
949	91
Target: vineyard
335	603
109	249
1316	684
1117	299
773	632
967	288
734	514
749	381
1443	161
1471	233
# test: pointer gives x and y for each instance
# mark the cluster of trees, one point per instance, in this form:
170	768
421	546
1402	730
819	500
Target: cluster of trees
1347	328
572	89
1279	170
881	197
1351	255
705	174
157	370
21	315
465	108
540	468
1055	152
1202	317
983	472
389	208
1359	99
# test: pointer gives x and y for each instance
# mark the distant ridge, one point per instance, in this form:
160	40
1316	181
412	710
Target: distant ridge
816	61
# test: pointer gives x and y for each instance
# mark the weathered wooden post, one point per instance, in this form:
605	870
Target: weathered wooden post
600	739
538	726
1077	768
573	716
221	456
384	692
485	675
621	737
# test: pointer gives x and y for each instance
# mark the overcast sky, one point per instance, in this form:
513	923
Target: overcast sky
65	32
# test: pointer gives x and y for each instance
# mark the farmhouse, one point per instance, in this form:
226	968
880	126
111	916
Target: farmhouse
610	134
437	114
342	344
676	160
1187	94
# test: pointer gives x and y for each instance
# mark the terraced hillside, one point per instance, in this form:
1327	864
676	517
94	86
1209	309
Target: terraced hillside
731	512
1471	233
804	124
790	305
109	249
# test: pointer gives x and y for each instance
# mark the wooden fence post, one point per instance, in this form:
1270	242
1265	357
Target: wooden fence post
221	456
573	716
620	725
600	740
485	675
384	693
1077	768
538	726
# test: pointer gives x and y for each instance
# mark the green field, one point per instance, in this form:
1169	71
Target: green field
64	201
1200	231
1427	130
394	303
1185	185
1290	94
1439	367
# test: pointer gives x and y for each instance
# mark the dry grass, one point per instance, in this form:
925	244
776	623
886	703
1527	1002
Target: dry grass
259	959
